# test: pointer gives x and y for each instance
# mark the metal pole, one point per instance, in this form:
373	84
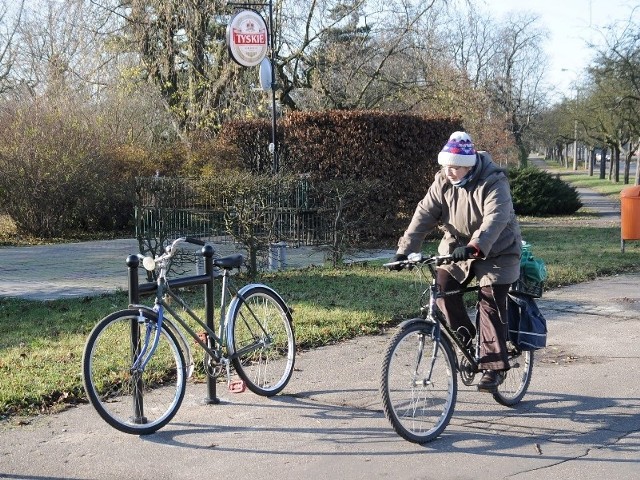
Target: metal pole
274	140
575	145
133	263
207	253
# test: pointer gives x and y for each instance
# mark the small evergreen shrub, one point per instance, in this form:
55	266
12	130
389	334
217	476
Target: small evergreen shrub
536	192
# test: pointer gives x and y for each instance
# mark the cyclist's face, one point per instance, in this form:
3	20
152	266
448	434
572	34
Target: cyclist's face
455	174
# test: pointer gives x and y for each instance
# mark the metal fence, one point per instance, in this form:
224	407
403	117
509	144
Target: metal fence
172	207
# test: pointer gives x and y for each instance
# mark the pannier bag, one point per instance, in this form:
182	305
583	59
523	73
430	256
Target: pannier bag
527	326
533	273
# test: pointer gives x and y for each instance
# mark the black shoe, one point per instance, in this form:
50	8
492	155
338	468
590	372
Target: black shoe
490	380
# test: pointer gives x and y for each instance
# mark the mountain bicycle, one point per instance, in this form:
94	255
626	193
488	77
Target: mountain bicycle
136	361
419	370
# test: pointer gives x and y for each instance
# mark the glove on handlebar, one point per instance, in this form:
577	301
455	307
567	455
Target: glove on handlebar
463	253
398	257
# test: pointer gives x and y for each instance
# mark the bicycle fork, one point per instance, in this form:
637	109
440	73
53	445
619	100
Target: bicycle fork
435	351
145	353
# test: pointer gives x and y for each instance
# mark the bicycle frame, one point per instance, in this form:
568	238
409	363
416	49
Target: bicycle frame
215	341
419	384
142	349
432	312
163	286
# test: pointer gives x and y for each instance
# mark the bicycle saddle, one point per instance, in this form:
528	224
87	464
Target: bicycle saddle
229	262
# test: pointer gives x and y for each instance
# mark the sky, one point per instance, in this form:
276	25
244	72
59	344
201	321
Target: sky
570	24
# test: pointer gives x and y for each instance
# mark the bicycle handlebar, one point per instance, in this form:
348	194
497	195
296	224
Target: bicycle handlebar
419	259
149	263
170	250
195	241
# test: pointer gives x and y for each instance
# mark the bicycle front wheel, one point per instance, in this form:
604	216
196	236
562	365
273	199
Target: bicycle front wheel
419	383
516	379
133	402
260	339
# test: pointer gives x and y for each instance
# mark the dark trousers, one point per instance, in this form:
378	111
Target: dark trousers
493	323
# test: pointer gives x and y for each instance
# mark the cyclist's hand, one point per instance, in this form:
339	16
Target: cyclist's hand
463	253
398	257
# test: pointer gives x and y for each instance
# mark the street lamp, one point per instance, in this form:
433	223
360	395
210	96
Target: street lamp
575	142
575	123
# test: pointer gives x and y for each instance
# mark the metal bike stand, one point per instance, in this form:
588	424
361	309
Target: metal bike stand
207	253
133	262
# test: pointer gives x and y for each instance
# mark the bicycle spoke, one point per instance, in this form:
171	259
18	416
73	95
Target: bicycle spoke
133	401
261	340
418	385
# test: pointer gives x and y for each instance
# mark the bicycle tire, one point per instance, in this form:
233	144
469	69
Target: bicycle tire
260	339
115	392
516	380
418	411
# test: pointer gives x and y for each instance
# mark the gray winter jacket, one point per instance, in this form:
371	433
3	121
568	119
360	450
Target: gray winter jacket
479	213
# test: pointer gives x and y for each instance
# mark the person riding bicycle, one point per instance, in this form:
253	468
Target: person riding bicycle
470	199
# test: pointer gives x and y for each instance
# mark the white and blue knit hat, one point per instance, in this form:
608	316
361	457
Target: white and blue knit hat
458	152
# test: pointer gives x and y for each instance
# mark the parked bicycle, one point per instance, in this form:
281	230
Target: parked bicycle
136	361
419	370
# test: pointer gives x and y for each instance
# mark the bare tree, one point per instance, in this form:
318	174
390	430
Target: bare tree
473	45
616	75
180	47
9	24
351	54
348	54
515	81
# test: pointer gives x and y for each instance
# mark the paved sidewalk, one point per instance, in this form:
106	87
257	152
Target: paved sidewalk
49	272
607	208
579	418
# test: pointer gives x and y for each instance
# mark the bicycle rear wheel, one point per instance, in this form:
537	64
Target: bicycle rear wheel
136	403
516	380
419	383
260	339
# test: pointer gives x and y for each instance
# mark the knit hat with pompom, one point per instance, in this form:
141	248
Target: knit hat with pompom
458	152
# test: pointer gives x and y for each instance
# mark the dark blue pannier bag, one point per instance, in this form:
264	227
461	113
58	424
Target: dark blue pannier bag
527	326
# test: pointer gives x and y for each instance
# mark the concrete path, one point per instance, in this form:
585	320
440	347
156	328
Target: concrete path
580	418
49	272
607	208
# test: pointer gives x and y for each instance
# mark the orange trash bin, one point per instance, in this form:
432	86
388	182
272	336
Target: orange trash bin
629	214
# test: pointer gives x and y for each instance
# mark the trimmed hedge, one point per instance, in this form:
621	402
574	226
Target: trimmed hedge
396	151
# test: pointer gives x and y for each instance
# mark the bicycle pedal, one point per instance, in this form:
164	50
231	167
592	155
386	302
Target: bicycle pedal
237	386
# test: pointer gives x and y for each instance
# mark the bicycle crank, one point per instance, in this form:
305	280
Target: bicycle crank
467	374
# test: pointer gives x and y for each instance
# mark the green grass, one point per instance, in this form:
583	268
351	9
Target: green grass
41	350
41	342
581	179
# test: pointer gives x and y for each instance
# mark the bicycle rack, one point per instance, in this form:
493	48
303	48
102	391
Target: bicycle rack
135	289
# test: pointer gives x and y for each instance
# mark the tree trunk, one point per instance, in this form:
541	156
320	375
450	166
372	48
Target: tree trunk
627	164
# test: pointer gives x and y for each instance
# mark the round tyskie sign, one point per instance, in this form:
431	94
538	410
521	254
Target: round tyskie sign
247	38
